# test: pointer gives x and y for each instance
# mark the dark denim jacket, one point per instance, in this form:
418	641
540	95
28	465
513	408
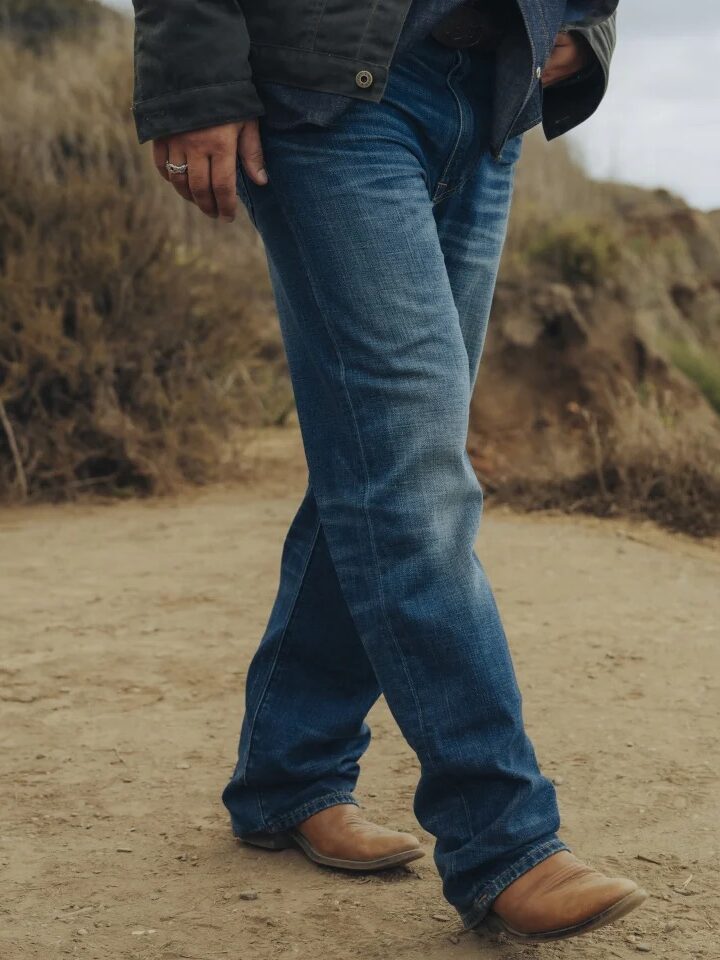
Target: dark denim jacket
565	106
196	60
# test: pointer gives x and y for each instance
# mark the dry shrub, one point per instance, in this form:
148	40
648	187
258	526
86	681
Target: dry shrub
573	249
641	269
35	23
132	337
642	464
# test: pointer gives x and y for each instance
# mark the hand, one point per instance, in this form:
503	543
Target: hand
570	55
211	155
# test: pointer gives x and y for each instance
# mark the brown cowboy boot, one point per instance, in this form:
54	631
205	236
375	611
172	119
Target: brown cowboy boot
560	898
340	837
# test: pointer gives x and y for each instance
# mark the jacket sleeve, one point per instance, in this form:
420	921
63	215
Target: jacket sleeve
191	66
568	104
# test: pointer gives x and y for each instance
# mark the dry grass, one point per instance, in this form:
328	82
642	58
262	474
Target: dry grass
135	337
124	363
641	464
36	23
646	444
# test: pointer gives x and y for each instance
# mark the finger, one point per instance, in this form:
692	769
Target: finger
161	155
563	63
223	173
251	153
179	180
201	185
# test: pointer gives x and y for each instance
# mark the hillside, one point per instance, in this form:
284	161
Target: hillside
601	380
137	339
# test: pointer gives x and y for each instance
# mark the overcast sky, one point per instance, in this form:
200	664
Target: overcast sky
660	122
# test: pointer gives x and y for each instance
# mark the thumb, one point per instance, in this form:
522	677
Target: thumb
251	153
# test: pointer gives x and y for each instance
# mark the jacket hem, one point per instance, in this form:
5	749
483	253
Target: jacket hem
196	108
322	72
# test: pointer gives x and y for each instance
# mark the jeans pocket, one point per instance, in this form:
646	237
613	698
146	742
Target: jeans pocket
243	191
511	151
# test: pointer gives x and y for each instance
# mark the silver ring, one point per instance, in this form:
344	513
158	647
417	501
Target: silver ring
179	169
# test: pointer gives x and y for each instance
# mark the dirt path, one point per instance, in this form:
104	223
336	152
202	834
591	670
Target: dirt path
124	640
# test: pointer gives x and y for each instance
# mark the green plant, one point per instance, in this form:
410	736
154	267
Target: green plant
702	368
574	249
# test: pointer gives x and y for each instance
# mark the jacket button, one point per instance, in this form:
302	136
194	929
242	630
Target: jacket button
363	79
538	72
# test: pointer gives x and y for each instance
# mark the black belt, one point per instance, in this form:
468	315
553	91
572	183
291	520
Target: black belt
476	23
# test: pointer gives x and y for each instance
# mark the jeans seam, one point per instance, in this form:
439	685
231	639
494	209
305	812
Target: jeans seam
481	905
271	671
461	129
366	485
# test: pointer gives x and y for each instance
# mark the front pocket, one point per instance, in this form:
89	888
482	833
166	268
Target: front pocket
243	191
511	151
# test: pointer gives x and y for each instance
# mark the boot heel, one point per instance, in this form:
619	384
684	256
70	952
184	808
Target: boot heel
269	841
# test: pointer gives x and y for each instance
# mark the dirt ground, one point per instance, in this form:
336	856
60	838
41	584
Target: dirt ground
125	636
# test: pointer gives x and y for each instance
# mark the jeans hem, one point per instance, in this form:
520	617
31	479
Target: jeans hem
480	908
296	816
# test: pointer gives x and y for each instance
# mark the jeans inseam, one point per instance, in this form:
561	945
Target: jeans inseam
271	671
366	490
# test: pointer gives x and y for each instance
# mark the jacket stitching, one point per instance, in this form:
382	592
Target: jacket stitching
184	90
321	14
371	14
326	56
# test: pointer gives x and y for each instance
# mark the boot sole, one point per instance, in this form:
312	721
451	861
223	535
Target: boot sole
294	839
496	924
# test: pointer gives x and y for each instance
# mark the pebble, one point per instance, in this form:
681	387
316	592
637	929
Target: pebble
558	781
440	917
124	849
643	947
248	895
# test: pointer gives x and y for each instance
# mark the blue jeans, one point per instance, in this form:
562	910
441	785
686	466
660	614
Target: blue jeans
383	235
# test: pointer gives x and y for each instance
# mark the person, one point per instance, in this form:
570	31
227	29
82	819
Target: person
377	146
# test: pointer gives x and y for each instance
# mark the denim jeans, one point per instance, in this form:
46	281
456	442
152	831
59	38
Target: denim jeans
383	235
